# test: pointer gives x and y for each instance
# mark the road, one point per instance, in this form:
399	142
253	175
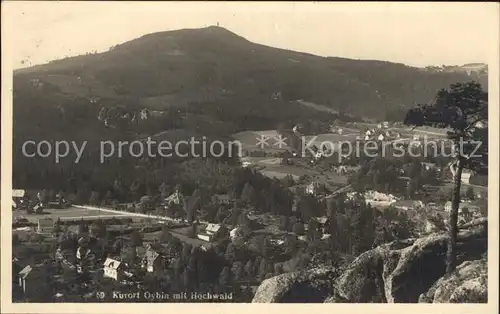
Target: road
128	214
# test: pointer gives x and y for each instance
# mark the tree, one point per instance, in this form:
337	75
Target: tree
298	228
135	239
462	108
237	270
193	231
249	269
165	235
94	198
83	228
57	228
230	254
263	269
248	194
98	229
284	223
469	193
312	230
412	188
225	277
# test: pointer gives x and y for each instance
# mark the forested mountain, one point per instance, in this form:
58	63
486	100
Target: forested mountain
226	76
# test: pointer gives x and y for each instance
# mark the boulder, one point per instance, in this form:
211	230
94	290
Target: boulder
310	286
402	270
467	284
363	280
421	264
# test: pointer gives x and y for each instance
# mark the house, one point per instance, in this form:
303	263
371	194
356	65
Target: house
408	204
32	280
152	261
302	238
276	96
324	224
379	126
222	199
381	137
176	198
326	236
416	137
385	124
18	193
113	269
17	198
45	226
144	114
211	232
378	199
428	165
312	188
466	175
240	232
368	133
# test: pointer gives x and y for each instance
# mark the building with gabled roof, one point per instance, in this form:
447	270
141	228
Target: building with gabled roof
210	233
113	269
175	198
32	280
152	260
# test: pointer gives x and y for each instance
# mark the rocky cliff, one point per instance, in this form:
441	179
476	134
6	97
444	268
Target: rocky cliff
406	271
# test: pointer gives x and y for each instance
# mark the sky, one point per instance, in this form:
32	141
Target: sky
417	34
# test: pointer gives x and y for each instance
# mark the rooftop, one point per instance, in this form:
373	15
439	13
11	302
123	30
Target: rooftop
111	263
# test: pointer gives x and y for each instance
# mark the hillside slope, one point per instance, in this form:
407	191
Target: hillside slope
219	74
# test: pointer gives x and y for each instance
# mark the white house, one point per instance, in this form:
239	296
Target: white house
211	232
381	137
144	114
379	126
18	193
480	125
31	280
429	165
312	188
113	269
376	199
239	232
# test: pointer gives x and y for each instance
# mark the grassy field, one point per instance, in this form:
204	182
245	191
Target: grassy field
179	233
250	141
69	213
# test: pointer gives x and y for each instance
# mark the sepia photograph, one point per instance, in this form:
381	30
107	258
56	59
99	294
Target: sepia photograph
216	152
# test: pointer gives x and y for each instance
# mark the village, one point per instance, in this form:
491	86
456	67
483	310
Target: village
84	248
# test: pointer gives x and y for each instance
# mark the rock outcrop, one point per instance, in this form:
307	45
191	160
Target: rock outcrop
467	284
310	286
399	272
